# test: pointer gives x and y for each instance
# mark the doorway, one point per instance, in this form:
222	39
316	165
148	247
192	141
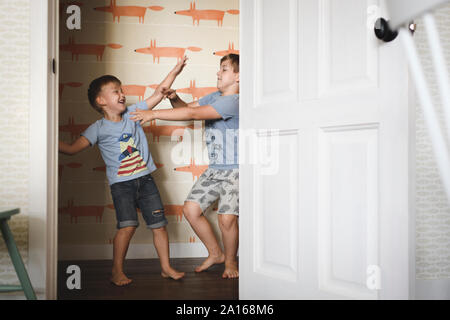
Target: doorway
104	37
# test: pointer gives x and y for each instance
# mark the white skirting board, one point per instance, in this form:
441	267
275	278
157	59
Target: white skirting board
438	289
135	251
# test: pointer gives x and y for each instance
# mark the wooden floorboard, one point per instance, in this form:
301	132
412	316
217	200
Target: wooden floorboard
147	281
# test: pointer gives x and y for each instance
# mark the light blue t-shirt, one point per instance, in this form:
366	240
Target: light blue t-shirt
222	135
123	146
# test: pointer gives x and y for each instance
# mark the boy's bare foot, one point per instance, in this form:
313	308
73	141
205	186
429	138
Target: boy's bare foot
172	273
231	270
120	279
211	260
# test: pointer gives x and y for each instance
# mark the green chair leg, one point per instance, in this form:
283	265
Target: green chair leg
17	260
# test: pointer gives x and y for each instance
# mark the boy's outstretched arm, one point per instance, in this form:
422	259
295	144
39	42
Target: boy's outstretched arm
78	145
176	101
182	114
158	95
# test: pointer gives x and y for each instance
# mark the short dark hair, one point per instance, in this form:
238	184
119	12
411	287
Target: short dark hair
234	60
96	86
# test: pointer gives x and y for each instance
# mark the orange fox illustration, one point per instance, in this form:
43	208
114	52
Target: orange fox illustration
196	170
166	130
127	11
197	93
225	52
74	129
135	90
82	211
174	210
69	84
198	15
165	52
73	165
101	169
86	48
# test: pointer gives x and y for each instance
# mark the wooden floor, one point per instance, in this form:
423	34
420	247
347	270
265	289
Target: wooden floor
147	281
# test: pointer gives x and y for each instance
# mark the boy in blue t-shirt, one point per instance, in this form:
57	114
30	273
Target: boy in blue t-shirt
124	148
221	180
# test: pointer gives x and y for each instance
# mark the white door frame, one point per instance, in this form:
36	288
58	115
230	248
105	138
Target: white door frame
43	137
52	149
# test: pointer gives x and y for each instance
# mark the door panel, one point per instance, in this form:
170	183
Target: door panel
348	50
347	209
275	42
276	252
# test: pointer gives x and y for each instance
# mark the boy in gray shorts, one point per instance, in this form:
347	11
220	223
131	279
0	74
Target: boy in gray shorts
221	180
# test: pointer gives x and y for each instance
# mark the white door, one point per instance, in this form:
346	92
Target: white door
327	217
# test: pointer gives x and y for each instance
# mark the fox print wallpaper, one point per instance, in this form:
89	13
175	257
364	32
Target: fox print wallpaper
138	41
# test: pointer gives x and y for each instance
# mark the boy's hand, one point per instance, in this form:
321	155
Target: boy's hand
169	93
142	115
161	90
180	65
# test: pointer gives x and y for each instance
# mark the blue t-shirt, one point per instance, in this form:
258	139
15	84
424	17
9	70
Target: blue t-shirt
222	135
123	146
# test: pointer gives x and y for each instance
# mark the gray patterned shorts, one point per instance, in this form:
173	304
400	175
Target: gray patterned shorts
216	184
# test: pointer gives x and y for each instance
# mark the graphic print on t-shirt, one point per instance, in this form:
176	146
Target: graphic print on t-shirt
130	159
214	147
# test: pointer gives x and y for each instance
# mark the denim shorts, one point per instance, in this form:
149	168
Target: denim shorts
141	193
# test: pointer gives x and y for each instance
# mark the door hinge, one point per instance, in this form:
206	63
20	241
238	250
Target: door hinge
54	66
